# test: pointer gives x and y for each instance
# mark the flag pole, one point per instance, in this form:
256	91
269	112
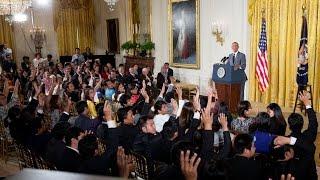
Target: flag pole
263	12
304	8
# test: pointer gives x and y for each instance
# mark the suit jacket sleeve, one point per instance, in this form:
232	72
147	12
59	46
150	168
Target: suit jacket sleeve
170	72
227	145
243	61
311	132
207	140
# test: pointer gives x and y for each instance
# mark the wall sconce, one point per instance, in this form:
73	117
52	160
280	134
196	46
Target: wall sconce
217	31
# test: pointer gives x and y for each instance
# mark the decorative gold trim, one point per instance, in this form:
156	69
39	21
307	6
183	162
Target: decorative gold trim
179	65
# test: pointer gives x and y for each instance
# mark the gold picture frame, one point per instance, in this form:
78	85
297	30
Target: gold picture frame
184	33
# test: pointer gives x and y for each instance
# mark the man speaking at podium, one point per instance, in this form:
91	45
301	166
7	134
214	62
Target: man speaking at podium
238	61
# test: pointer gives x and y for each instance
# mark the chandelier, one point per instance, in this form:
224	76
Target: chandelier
111	4
13	10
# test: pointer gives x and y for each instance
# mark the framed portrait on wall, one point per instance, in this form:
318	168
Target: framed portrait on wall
184	41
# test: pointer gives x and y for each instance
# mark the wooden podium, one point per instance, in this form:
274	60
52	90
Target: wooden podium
228	84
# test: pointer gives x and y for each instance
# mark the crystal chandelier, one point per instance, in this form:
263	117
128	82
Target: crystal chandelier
111	4
13	10
14	6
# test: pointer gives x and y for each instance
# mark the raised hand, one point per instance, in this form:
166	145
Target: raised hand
144	85
304	97
179	92
223	121
124	162
207	119
107	111
196	103
163	89
288	177
37	89
175	106
145	95
189	166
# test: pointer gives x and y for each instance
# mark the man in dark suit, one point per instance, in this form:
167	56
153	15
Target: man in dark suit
131	78
164	75
56	145
127	130
121	75
83	121
70	160
302	142
243	164
168	69
238	61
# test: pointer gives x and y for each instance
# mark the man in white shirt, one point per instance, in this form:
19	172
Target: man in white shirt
77	58
37	60
7	50
162	111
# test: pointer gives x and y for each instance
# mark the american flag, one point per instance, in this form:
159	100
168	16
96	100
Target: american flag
262	73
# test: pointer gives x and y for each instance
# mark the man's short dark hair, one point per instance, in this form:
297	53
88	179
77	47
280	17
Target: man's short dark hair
242	107
143	120
169	128
77	49
81	106
123	113
59	131
166	63
242	142
87	146
295	122
73	132
123	100
158	105
49	56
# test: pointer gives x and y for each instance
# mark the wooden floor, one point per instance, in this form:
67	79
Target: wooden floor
11	167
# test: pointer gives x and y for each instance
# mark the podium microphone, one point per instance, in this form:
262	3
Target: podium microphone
224	59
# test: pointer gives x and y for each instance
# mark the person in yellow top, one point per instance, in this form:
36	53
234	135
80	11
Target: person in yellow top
91	100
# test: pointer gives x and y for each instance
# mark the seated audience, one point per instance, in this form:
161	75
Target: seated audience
88	118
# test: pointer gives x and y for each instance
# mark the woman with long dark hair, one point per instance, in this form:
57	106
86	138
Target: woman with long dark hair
278	124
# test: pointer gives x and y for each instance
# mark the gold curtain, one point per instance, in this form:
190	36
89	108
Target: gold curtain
6	33
284	21
74	24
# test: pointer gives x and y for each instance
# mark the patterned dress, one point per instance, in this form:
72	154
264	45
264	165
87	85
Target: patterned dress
241	126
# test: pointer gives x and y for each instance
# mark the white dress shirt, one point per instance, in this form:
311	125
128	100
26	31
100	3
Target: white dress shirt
160	120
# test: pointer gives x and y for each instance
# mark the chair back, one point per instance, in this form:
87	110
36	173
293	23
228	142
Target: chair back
142	169
101	147
42	164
